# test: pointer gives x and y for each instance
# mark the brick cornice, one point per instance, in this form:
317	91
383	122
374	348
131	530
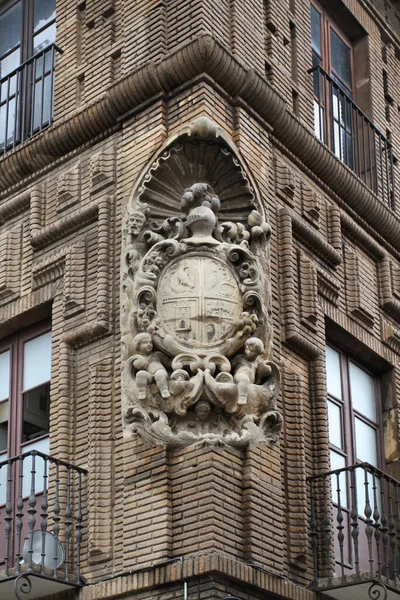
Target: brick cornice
195	567
202	55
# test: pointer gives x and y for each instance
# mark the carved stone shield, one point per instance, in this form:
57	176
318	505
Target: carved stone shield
199	301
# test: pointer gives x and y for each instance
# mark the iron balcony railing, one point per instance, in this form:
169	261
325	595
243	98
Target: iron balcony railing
355	526
26	99
349	134
41	521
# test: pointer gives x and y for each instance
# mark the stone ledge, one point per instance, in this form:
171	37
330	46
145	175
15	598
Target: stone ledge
192	568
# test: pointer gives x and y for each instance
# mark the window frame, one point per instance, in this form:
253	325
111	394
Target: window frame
348	412
27	79
327	23
15	343
334	129
27	29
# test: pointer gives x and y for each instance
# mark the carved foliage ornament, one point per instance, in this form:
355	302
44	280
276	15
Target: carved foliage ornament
195	369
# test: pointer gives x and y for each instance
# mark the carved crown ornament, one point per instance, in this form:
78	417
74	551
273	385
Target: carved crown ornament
196	318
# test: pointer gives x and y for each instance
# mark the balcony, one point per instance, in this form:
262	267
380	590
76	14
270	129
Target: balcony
26	99
41	526
342	126
355	532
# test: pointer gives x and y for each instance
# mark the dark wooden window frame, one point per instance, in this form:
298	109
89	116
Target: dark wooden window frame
348	413
327	23
15	343
347	416
27	33
25	105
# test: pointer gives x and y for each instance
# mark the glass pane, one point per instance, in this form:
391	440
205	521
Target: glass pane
333	378
7	65
315	30
38	481
8	119
37	107
349	150
44	11
338	484
340	59
44	38
318	121
10	28
48	56
4	406
11	121
37	361
47	101
337	138
366	449
317	81
362	388
43	105
4	375
36	413
3	436
4	412
335	424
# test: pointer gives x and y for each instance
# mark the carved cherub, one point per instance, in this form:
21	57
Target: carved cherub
246	367
185	391
149	366
202	419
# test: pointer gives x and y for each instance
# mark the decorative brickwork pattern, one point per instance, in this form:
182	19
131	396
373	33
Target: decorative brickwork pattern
132	79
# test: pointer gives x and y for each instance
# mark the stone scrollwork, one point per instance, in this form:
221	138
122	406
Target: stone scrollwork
196	326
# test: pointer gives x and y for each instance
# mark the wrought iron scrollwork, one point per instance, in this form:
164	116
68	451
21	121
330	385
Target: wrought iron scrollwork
22	585
377	591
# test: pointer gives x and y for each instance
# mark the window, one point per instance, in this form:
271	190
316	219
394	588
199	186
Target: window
341	71
353	415
27	57
25	367
354	438
332	56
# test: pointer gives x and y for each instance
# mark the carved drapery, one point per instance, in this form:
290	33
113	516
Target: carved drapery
195	315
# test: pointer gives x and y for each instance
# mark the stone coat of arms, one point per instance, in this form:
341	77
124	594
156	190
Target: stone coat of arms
195	368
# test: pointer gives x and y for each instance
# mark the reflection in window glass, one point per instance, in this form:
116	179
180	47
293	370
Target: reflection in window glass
44	39
39	481
366	448
340	59
10	29
44	12
318	121
37	361
315	30
333	378
36	413
8	64
362	389
335	424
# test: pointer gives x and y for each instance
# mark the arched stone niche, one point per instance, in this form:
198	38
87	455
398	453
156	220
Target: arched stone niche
195	299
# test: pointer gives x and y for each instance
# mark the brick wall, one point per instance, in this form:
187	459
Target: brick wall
64	222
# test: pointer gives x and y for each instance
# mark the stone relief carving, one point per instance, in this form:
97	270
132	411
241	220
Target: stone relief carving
196	325
194	369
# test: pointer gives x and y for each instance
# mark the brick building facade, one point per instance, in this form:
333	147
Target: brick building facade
82	125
